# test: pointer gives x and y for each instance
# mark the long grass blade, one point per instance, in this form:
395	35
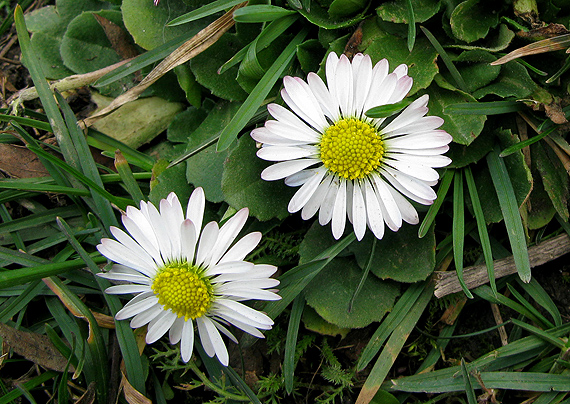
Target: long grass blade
481	228
434	208
258	94
510	210
459	229
485	108
204	11
291	341
411	25
536	291
471	398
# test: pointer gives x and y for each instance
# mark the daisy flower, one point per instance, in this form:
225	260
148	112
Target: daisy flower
345	163
185	276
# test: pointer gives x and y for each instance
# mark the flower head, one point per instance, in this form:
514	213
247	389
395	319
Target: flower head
184	275
346	163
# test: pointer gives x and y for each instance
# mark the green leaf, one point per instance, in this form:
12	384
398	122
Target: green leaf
510	209
421	61
463	128
204	11
47	48
513	81
148	24
242	185
260	13
330	294
396	11
291	342
384	111
401	256
258	94
484	108
470	21
462	155
313	322
553	176
491	43
345	8
318	16
171	180
206	64
518	172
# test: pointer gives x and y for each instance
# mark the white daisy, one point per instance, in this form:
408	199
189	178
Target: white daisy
184	277
345	162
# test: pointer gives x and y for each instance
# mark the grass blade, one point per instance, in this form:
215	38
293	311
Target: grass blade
459	229
258	94
411	25
261	13
510	210
481	228
471	398
543	299
446	60
484	108
384	111
204	11
291	342
434	208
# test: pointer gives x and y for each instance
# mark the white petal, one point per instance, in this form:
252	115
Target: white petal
423	124
187	240
249	293
245	311
136	306
431	139
267	137
232	316
362	71
195	209
304	193
339	211
134	278
411	187
298	179
374	215
175	332
303	102
403	87
207	242
380	92
343	85
358	212
428	161
131	244
282	153
407	210
328	103
244	246
418	171
187	340
124	289
314	203
146	316
286	168
224	330
142	232
172	216
390	209
411	114
161	230
159	326
120	254
212	340
327	205
228	234
289	125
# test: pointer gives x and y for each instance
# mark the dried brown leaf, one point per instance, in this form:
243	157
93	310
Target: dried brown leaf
546	45
132	395
120	40
19	162
89	396
34	347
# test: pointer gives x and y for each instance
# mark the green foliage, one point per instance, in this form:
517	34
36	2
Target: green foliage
52	224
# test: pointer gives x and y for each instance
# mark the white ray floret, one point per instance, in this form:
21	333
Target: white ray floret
186	278
346	164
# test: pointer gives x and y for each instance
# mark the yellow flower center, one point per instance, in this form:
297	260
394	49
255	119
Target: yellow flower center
351	148
184	289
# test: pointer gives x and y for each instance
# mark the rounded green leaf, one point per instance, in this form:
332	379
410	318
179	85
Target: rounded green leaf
147	23
397	11
85	47
401	256
463	128
205	67
331	291
513	81
314	322
344	8
46	47
243	187
471	21
421	61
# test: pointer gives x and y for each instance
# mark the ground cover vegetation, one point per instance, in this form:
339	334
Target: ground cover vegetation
434	271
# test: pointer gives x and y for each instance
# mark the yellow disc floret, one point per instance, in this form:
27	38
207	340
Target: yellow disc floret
184	289
351	148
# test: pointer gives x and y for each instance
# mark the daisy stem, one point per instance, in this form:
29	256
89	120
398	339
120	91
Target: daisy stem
204	379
